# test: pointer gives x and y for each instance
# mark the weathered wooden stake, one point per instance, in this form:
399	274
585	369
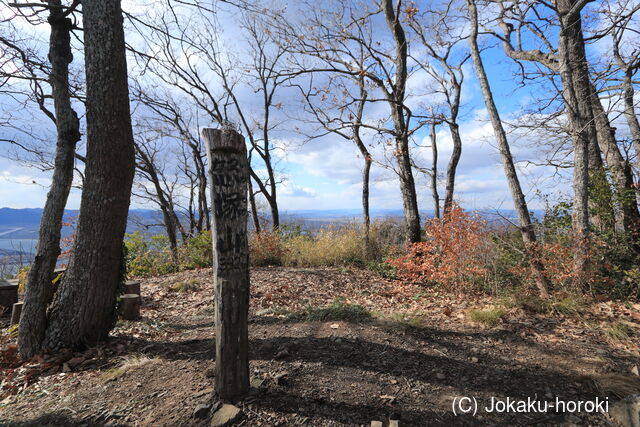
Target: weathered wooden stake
228	176
15	313
130	306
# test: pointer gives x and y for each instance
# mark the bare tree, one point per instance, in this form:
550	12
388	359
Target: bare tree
193	59
179	122
150	169
519	201
83	309
39	289
568	60
343	116
332	35
444	64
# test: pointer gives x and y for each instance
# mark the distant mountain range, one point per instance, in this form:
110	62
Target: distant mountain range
30	218
10	217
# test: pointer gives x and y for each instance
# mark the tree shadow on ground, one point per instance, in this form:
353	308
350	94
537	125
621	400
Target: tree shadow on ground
57	419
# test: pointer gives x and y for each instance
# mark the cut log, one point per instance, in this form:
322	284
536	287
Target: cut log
229	177
130	309
15	313
8	294
133	287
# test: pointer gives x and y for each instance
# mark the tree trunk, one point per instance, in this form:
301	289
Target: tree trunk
577	97
39	288
519	201
366	170
434	172
600	195
626	213
408	190
169	217
630	112
83	310
453	165
254	208
228	175
396	102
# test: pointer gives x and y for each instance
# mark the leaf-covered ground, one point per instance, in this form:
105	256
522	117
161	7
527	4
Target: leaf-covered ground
406	357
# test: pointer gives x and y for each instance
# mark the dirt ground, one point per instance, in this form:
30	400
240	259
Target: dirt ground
408	362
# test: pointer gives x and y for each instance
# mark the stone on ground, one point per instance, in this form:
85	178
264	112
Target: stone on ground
626	413
225	416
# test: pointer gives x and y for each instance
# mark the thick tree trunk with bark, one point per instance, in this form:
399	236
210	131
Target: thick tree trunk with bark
626	208
630	112
577	97
39	288
601	212
519	201
83	310
408	190
396	100
229	174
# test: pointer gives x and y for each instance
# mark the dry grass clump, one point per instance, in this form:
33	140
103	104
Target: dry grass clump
129	363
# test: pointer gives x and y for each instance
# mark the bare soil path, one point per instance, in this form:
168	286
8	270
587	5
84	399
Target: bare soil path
408	361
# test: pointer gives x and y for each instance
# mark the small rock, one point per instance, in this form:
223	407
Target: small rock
281	379
225	416
256	382
204	392
210	373
634	371
65	367
474	360
440	376
201	411
335	326
626	413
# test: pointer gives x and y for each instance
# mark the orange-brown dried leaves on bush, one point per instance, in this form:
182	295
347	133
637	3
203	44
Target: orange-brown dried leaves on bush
266	248
558	260
451	255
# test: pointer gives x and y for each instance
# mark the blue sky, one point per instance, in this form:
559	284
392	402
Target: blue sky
325	173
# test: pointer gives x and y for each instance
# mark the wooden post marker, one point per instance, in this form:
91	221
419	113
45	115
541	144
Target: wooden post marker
228	176
15	313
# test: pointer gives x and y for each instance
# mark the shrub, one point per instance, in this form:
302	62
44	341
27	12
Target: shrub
148	256
267	248
196	252
451	254
331	246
